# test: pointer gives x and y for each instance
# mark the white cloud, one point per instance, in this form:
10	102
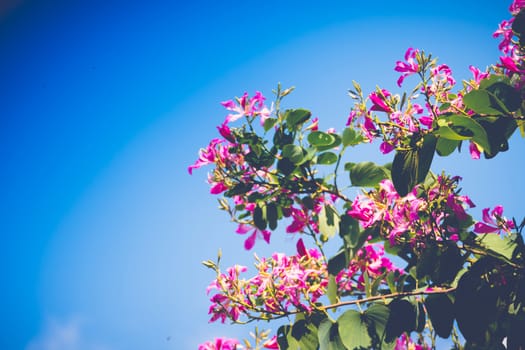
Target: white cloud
63	335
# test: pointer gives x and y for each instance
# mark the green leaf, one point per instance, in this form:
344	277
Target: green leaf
426	262
441	313
323	141
352	138
445	147
272	215
327	158
281	138
305	333
410	167
402	318
329	338
508	98
469	127
285	166
285	338
484	102
492	79
294	153
328	222
331	290
296	117
337	262
353	330
449	134
240	188
475	303
503	246
376	318
499	130
269	123
349	230
258	217
320	138
367	174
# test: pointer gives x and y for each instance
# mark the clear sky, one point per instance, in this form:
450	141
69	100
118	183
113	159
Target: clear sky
104	104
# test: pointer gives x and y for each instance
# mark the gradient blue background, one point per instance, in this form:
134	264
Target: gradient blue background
104	104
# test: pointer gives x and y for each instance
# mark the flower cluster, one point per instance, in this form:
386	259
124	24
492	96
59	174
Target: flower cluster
369	260
283	283
435	213
512	59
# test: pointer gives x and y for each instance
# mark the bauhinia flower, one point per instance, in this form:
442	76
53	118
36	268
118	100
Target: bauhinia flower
409	67
494	222
246	107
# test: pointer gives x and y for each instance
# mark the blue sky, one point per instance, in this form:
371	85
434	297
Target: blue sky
103	105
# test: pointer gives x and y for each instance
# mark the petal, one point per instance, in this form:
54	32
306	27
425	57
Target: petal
480	227
250	241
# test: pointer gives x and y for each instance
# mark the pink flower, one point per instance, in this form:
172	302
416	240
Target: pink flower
386	147
475	152
271	343
378	101
441	75
207	155
427	120
246	106
409	67
505	30
216	187
225	132
478	75
370	260
351	117
509	63
221	344
494	222
255	232
300	220
516	6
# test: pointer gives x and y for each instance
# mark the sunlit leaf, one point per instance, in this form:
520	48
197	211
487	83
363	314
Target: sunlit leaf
327	158
328	222
367	174
353	330
294	153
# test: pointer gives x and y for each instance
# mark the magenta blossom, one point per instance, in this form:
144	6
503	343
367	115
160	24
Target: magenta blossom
494	222
409	67
271	343
371	260
221	344
505	30
378	101
509	63
246	106
255	232
516	6
475	152
207	155
478	74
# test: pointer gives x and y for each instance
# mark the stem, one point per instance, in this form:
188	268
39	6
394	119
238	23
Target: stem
389	296
337	168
